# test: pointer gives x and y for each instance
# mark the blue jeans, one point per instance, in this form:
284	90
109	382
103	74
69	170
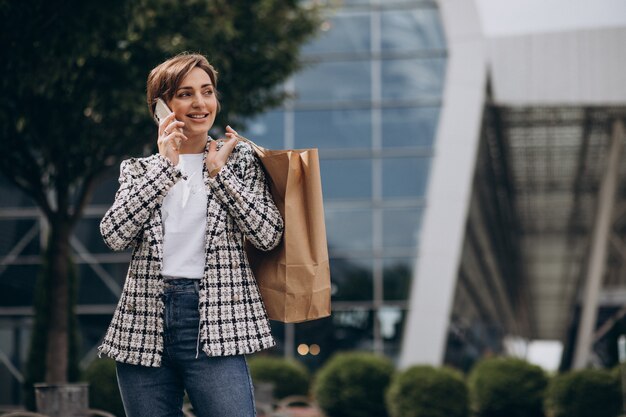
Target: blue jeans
216	386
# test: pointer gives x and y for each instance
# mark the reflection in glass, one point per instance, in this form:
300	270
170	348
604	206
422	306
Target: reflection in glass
267	130
346	178
349	229
409	30
278	331
350	329
397	275
106	187
345	32
333	129
351	279
14	230
13	196
334	82
392	345
401	227
410	127
405	177
413	79
87	231
389	317
92	289
17	285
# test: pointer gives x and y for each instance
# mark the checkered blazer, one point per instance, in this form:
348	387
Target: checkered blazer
233	319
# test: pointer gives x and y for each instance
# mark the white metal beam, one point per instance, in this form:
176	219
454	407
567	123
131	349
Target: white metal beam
599	249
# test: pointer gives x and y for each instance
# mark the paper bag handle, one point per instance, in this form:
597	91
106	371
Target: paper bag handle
259	149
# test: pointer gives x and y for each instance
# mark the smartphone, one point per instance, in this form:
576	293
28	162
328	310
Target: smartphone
161	111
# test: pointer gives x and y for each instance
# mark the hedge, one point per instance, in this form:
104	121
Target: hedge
353	385
288	376
589	392
425	391
507	387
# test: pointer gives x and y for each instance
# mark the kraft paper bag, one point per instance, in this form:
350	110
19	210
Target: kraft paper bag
294	278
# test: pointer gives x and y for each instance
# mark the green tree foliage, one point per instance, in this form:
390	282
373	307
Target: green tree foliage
426	391
287	376
353	385
507	387
72	82
589	392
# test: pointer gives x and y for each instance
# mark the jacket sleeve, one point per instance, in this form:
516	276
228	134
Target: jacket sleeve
138	196
249	200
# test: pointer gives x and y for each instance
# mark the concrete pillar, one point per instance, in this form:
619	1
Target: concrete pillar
449	188
598	250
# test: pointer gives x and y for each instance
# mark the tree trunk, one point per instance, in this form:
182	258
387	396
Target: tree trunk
57	272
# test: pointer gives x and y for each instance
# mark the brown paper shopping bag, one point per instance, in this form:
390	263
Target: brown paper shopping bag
294	278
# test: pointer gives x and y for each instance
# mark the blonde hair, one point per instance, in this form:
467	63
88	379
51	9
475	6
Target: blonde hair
165	78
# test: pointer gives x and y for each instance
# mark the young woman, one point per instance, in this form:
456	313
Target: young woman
190	309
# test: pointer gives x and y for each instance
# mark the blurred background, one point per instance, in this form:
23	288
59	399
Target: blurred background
473	177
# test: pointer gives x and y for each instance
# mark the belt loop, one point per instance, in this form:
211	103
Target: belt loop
196	284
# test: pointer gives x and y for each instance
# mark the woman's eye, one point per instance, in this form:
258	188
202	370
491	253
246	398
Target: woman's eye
208	92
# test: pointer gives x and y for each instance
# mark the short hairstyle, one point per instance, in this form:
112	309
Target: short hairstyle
166	77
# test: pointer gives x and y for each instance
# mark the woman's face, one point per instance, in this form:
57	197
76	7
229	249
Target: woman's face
195	103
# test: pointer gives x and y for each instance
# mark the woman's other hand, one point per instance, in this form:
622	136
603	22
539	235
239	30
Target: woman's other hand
170	138
216	159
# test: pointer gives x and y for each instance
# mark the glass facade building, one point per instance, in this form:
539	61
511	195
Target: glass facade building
369	98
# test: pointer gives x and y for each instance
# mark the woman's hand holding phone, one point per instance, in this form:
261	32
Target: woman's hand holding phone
216	158
170	137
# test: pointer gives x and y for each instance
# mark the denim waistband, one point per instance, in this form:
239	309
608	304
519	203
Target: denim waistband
181	284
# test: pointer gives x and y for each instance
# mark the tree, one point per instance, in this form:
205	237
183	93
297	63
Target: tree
73	80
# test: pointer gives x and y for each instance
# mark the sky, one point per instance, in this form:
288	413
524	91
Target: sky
545	353
512	17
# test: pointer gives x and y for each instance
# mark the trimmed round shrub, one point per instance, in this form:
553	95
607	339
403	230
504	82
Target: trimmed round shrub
353	385
425	391
287	376
589	392
507	387
104	393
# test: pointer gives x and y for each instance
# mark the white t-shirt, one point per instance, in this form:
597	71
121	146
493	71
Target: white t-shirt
184	212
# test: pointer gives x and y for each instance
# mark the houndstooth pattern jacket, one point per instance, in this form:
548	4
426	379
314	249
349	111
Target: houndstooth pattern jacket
233	319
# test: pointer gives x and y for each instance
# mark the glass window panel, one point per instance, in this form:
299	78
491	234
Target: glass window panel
92	290
392	318
13	231
346	178
87	231
104	192
401	227
410	127
350	329
405	177
17	286
334	82
397	276
352	279
412	79
409	30
333	129
267	130
13	196
92	327
345	32
349	229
